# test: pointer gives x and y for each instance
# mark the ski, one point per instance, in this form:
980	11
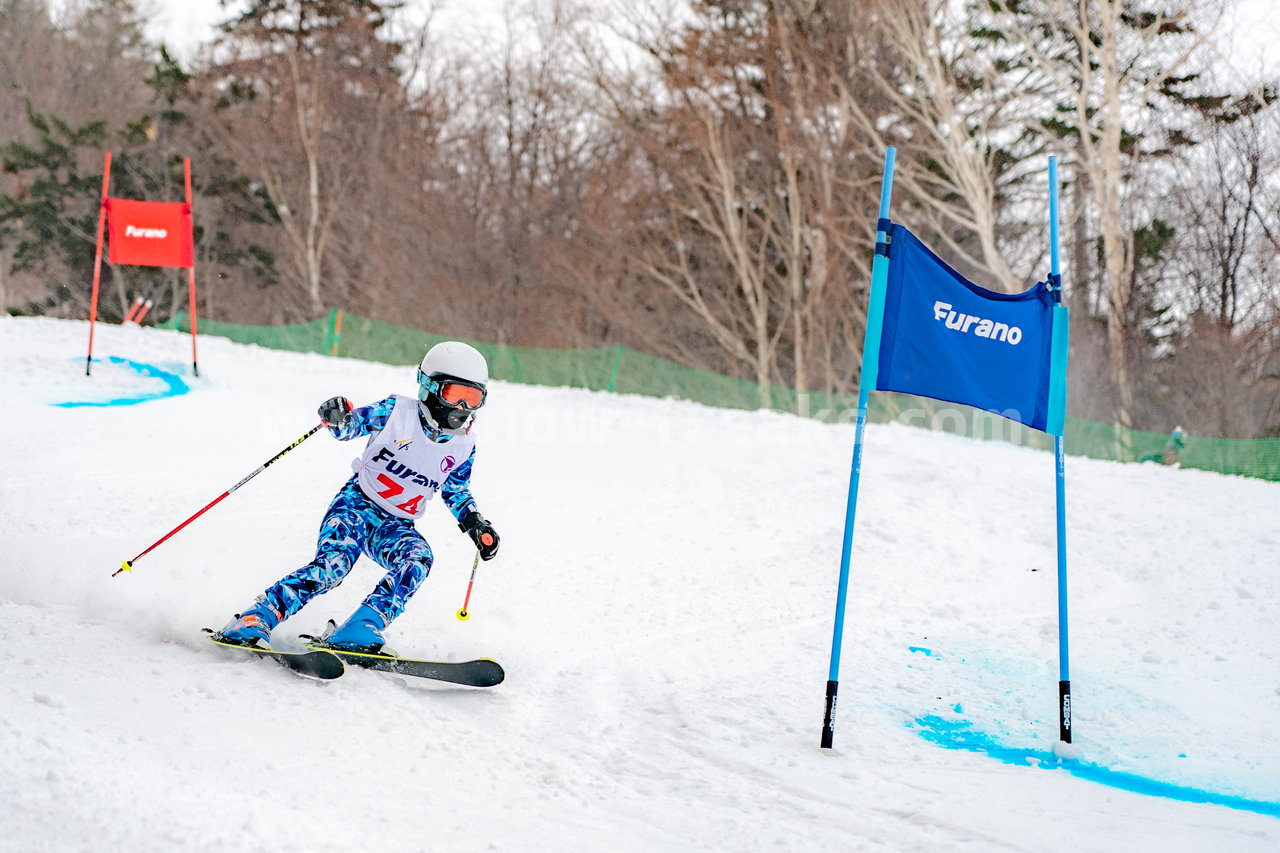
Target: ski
314	664
472	673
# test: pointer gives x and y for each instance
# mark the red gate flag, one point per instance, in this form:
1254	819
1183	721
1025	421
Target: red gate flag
149	233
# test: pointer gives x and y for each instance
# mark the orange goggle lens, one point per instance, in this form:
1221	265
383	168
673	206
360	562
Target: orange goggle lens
467	395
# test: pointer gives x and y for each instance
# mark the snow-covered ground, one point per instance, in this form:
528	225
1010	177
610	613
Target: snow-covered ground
663	607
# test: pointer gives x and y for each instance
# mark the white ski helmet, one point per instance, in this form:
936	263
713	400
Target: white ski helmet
453	382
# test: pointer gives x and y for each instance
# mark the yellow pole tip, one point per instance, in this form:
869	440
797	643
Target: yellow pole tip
463	616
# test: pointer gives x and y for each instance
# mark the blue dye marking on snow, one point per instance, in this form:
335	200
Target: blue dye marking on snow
960	734
173	386
921	649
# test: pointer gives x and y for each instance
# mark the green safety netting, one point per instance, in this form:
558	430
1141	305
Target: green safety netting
627	371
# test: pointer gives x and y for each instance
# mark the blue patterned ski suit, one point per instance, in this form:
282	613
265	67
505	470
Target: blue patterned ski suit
354	524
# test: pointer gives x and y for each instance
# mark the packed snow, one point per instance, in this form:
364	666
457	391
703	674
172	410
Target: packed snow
662	603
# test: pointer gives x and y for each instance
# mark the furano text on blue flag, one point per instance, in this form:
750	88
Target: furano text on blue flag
946	338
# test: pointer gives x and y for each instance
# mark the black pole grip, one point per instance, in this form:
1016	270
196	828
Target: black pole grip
829	720
1064	711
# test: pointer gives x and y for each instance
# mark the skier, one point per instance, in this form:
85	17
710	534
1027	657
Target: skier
416	447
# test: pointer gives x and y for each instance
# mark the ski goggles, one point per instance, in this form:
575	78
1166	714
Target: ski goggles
453	391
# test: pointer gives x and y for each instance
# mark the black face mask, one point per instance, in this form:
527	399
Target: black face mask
448	415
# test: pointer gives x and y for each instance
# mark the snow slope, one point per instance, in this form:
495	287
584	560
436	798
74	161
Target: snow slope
663	606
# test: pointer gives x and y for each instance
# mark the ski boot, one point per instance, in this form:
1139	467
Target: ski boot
251	628
362	632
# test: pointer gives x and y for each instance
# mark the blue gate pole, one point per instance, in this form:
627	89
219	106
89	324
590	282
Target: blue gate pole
866	381
1064	658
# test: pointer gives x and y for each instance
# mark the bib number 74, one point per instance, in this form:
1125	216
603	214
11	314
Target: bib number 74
394	489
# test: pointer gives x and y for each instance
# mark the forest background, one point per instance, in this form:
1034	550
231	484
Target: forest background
695	180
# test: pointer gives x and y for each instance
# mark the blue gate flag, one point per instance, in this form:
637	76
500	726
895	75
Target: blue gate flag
931	332
947	338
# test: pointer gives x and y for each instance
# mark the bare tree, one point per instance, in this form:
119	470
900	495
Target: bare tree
817	224
70	84
759	185
1225	217
708	227
300	92
958	122
1112	66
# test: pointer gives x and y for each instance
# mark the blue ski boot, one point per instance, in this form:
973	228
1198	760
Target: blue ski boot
362	632
251	628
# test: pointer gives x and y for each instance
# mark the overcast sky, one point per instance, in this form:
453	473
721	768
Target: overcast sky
185	24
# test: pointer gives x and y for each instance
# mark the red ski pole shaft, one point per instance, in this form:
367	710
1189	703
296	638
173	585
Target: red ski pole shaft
137	303
463	613
127	565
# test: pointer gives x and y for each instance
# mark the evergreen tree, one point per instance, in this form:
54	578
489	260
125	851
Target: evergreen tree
50	220
1113	80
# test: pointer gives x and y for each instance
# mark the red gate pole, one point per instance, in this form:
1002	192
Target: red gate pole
97	260
191	271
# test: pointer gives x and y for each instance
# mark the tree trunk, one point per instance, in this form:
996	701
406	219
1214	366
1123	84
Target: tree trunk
1081	273
313	231
1117	250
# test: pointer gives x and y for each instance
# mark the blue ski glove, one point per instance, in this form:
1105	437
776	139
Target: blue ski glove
482	533
336	413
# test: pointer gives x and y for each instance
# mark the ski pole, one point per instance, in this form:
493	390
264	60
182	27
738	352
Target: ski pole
142	304
137	303
463	613
127	565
